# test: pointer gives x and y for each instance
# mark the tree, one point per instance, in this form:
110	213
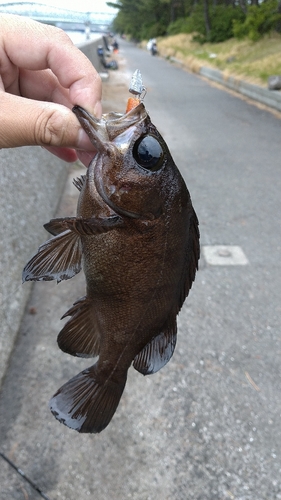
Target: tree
207	18
147	18
212	20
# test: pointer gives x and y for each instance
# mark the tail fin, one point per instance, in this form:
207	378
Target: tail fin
84	404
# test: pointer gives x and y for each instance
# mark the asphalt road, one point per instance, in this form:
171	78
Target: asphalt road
207	426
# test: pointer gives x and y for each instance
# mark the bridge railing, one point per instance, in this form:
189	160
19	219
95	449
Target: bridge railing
53	14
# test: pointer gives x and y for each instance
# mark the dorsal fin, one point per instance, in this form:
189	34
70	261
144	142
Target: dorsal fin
79	182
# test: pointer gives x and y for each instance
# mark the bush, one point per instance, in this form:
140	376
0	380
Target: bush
181	25
193	23
222	19
196	21
260	19
152	30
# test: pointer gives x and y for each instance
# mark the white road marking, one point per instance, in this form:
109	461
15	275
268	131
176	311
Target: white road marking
224	255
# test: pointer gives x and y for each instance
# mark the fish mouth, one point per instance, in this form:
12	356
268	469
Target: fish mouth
111	135
121	130
111	125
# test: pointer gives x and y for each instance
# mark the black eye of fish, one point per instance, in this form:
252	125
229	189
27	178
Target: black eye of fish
148	153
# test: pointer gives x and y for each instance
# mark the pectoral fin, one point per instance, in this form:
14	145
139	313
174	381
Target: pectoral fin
57	259
82	226
157	352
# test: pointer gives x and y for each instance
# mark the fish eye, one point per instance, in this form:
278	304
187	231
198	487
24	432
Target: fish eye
148	153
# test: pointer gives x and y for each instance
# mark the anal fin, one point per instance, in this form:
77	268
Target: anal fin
157	352
80	335
85	404
57	259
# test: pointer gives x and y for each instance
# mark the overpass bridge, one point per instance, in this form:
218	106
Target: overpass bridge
64	18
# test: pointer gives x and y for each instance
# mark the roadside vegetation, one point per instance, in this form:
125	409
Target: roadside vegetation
248	60
241	37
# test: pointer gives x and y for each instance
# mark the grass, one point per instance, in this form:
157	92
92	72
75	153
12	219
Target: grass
251	61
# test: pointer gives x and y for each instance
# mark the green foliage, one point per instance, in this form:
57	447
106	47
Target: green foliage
221	19
196	22
260	19
222	22
144	19
181	25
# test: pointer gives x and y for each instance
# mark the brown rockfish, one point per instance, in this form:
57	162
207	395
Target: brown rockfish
136	236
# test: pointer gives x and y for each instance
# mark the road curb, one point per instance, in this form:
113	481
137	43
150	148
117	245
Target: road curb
271	98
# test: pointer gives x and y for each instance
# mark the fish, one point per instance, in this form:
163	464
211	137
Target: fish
136	236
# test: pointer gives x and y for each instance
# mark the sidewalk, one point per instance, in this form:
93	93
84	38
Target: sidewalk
206	426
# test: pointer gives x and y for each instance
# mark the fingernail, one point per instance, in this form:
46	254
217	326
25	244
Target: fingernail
98	110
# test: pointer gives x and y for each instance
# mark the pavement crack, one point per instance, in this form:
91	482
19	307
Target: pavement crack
23	475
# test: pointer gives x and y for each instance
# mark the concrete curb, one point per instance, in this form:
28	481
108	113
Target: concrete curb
271	98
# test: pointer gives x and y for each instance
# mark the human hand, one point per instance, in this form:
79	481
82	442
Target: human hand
42	76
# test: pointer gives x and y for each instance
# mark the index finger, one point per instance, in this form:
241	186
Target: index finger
34	46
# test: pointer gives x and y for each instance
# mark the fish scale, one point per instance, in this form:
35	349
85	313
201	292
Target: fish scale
136	237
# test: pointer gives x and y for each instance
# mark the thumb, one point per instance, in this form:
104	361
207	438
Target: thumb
26	122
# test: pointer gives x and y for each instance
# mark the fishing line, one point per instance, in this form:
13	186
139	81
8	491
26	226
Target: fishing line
22	474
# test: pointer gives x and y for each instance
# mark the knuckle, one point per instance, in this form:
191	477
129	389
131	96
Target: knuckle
58	33
63	37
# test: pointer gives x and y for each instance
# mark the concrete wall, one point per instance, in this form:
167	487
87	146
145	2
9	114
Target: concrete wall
90	50
31	183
